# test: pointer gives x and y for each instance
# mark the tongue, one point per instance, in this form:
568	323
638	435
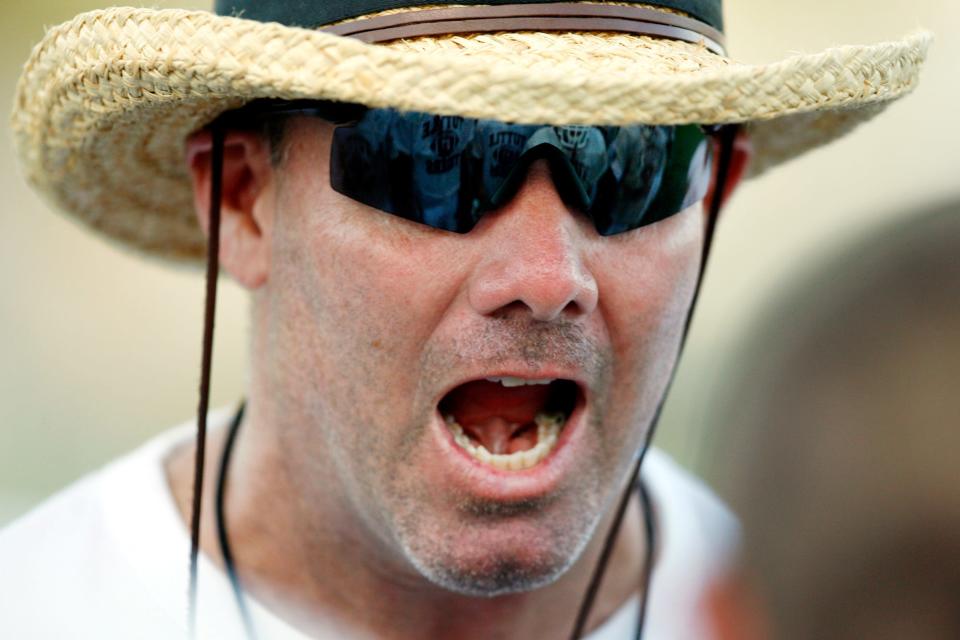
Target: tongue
493	414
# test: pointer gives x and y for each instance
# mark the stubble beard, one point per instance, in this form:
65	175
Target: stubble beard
440	560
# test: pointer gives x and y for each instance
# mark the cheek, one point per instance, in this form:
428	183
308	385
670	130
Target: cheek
652	280
363	286
645	302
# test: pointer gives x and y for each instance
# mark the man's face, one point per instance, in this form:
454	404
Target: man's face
374	329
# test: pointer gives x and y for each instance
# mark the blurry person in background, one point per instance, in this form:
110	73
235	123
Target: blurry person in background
843	438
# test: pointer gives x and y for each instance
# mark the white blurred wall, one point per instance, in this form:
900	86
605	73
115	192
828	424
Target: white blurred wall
100	348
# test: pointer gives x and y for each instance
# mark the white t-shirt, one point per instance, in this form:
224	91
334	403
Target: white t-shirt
108	558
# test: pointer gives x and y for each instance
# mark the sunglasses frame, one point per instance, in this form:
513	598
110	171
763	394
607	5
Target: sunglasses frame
257	113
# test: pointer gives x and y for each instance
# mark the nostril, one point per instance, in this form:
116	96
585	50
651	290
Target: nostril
571	310
511	309
543	294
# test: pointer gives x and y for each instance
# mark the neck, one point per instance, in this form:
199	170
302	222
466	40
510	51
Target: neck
309	564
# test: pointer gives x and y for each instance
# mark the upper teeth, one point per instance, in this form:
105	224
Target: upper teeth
510	381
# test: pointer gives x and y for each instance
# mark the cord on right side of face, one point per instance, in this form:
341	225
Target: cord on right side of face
727	138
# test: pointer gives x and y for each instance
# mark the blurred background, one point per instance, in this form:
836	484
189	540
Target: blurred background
100	348
835	439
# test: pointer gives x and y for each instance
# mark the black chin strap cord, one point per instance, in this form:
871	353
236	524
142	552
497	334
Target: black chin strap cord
209	313
225	549
727	136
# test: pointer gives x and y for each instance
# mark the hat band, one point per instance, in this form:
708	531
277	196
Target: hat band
568	16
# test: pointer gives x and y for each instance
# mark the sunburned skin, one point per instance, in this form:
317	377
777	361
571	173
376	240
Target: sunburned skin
352	500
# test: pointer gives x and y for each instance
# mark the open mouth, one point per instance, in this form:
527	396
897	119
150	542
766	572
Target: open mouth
509	423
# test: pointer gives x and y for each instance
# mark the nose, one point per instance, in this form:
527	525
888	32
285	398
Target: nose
533	258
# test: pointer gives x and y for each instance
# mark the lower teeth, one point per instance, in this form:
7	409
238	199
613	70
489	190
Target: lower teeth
549	426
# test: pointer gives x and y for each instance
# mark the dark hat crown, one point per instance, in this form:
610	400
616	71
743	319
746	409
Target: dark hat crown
314	13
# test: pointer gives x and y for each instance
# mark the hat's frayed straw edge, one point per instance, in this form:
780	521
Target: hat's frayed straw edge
135	74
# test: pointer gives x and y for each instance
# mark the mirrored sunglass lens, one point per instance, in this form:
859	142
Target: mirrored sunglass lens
655	172
446	171
413	165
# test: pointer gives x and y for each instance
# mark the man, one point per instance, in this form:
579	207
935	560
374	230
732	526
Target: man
472	248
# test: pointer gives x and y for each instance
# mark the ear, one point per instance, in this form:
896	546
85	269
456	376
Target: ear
739	161
246	202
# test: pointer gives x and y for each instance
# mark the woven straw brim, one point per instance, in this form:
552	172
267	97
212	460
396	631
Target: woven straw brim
106	100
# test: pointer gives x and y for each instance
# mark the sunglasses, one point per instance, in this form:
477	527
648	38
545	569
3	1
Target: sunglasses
447	171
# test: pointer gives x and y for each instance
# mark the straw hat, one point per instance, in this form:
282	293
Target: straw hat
107	99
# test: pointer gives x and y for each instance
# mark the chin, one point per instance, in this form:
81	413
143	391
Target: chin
499	560
497	575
